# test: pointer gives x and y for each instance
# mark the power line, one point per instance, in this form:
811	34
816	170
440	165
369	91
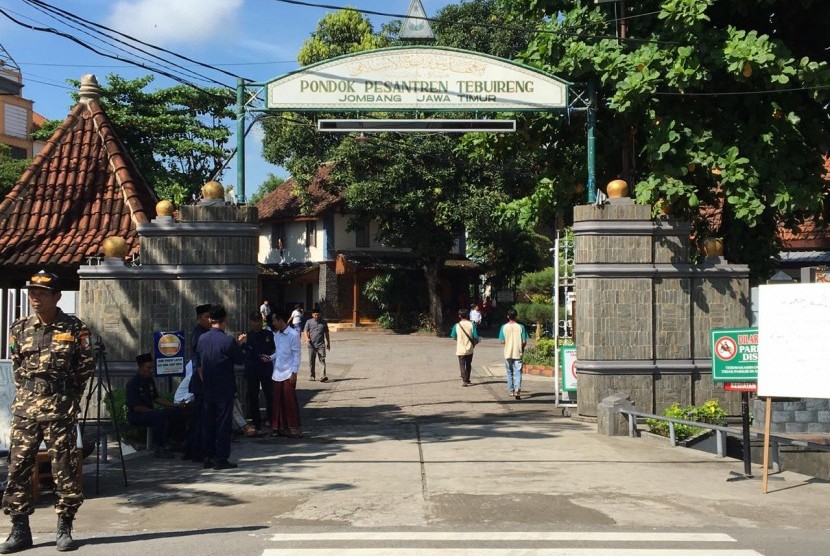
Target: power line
490	26
68	19
742	93
81	43
139	41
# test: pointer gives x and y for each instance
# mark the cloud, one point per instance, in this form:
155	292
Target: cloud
173	21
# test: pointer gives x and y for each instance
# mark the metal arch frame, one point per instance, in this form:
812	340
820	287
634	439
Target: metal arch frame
584	100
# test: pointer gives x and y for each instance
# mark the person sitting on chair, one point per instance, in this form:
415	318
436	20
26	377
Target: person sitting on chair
142	397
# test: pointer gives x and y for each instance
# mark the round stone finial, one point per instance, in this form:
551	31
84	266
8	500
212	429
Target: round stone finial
616	189
712	247
115	247
164	208
213	190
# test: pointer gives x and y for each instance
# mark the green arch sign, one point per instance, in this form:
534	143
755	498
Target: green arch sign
422	78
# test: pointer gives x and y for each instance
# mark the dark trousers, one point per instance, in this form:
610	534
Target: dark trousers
286	408
216	428
255	380
465	365
193	443
156	420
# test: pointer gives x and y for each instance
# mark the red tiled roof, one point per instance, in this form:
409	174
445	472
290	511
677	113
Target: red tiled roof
38	120
82	188
283	204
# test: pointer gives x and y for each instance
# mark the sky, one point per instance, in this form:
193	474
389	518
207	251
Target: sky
256	39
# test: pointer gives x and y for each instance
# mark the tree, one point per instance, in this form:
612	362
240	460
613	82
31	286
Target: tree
722	104
270	184
177	136
10	169
537	289
421	190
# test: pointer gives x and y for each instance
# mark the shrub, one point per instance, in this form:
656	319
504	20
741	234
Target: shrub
710	412
540	354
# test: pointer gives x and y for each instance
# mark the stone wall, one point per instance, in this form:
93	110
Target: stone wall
644	312
208	256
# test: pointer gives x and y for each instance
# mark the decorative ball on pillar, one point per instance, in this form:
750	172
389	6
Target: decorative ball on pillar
213	190
616	189
115	247
164	208
712	247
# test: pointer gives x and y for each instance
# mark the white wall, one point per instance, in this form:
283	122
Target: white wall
294	244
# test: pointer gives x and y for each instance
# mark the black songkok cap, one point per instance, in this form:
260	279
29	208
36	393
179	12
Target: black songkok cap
143	358
202	309
45	280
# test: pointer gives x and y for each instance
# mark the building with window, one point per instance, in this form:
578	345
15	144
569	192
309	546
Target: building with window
311	251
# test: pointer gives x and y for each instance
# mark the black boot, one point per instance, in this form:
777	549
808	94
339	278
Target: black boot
21	536
64	536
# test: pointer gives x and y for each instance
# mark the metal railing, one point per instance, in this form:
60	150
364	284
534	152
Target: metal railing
721	432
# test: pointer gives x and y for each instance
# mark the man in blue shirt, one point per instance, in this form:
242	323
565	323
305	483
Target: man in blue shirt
216	355
193	445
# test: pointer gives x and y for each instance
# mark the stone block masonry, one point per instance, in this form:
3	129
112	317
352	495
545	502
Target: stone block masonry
208	256
644	312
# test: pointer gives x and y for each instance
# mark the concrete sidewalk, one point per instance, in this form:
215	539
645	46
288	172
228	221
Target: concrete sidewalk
393	440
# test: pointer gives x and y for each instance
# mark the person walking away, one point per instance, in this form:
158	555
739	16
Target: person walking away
316	332
216	355
52	358
286	363
265	312
514	337
465	334
193	445
258	342
297	318
142	397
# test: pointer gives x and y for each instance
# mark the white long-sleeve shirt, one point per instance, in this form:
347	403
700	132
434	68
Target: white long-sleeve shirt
286	358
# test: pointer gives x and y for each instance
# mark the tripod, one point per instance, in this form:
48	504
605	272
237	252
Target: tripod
101	385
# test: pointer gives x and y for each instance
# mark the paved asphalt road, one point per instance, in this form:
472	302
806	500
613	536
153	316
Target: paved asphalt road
399	459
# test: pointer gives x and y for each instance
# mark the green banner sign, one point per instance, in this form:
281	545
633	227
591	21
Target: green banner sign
735	355
567	360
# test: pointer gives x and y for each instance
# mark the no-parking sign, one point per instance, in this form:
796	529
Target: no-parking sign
735	355
567	356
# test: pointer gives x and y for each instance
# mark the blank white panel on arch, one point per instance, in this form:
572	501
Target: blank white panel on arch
794	340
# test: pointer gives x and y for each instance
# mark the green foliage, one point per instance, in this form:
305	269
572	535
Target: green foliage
542	353
10	169
177	136
338	33
421	190
538	286
754	150
270	184
710	412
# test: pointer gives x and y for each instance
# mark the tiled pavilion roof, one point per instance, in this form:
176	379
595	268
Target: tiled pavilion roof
82	188
282	204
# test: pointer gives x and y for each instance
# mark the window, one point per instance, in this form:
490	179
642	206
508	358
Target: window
17	153
362	236
311	234
277	236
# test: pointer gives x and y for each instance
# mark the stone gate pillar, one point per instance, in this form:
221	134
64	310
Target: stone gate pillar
643	311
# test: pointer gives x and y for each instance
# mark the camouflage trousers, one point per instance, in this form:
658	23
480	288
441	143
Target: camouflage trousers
61	441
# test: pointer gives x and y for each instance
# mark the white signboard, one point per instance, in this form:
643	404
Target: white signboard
417	78
793	339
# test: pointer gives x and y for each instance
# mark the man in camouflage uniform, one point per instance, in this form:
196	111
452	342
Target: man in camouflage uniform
52	356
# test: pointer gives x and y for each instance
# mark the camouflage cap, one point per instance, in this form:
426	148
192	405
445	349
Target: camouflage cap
45	280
